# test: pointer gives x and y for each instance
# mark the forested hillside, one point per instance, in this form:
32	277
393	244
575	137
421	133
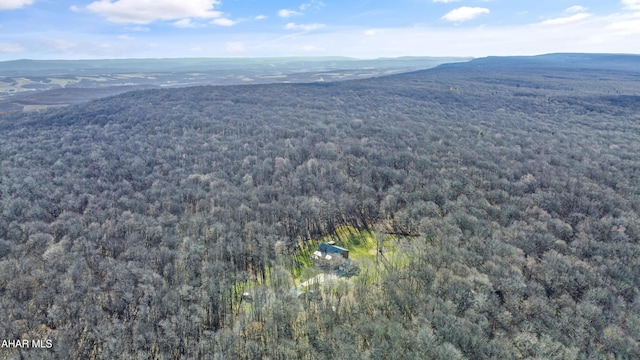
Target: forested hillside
127	223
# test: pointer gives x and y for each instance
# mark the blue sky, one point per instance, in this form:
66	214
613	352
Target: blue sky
79	29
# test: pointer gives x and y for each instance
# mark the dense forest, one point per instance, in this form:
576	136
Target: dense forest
127	223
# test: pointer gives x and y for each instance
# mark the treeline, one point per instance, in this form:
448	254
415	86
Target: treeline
127	222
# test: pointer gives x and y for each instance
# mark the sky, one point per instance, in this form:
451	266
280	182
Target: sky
98	29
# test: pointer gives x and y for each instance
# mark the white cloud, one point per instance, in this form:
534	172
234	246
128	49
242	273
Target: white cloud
138	28
285	13
625	27
631	4
14	4
500	40
125	37
522	39
317	4
445	1
617	32
234	46
303	27
147	11
567	19
223	22
11	48
465	13
261	17
614	33
184	23
576	9
372	32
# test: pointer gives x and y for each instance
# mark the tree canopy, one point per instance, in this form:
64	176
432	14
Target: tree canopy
128	222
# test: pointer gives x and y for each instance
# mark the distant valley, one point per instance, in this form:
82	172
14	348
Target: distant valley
36	84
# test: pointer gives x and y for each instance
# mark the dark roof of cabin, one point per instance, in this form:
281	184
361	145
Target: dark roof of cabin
324	247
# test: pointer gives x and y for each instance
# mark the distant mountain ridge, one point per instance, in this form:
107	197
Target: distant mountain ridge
36	84
626	62
102	66
26	67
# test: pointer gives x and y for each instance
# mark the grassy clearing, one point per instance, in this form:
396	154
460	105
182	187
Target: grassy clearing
301	263
360	243
363	246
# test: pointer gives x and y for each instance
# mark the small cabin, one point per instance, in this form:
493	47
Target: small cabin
334	259
330	249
